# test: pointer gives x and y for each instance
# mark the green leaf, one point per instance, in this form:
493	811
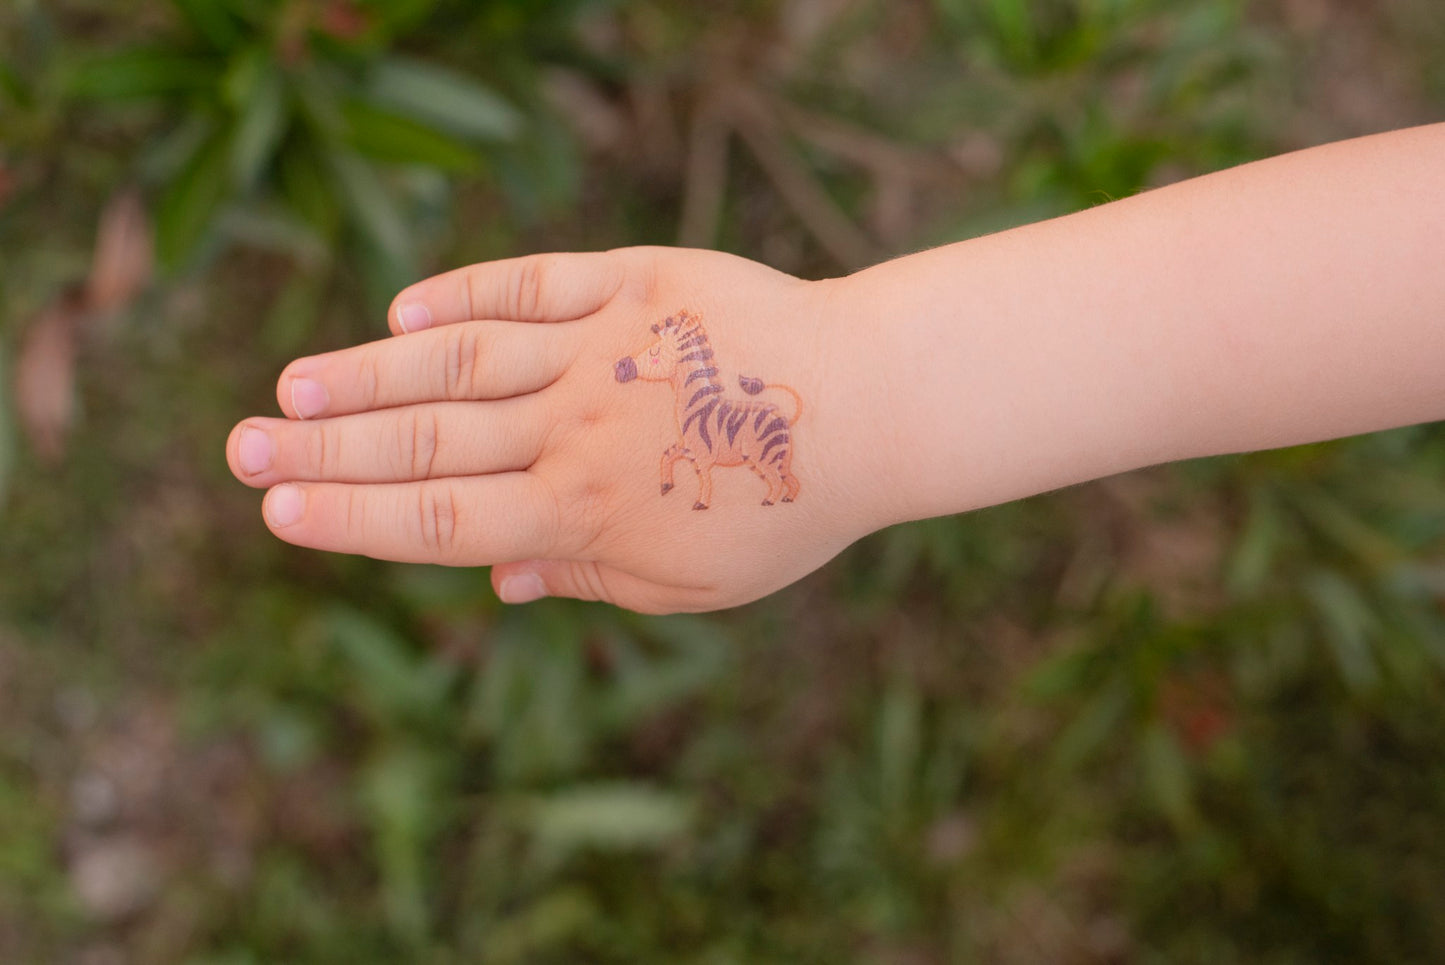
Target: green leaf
188	209
695	653
402	790
1013	22
1167	778
383	136
1347	622
443	99
608	817
372	206
12	87
529	702
898	736
309	191
398	16
211	20
288	739
162	160
262	123
1337	523
139	74
1062	674
1253	556
543	929
396	682
1098	721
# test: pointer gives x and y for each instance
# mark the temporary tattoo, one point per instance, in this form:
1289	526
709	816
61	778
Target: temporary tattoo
714	430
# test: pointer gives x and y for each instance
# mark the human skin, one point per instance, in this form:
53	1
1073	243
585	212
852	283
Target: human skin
1282	302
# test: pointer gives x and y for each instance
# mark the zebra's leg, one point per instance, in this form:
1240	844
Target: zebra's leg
704	484
790	482
790	488
767	480
669	459
774	479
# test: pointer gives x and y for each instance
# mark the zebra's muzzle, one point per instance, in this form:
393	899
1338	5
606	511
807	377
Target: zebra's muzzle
626	370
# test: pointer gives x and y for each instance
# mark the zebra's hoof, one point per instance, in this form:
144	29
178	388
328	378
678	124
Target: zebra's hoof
767	502
699	505
787	499
666	488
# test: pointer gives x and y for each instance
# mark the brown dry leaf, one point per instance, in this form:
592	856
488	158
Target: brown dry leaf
7	183
124	254
45	376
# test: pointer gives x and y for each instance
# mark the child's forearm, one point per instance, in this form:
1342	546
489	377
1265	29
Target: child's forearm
1286	301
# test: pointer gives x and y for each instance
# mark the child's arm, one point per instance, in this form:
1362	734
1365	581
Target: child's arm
539	423
1287	301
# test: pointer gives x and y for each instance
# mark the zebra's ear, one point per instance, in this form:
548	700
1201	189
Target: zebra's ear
655	329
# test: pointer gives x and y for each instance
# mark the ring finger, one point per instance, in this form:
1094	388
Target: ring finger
474	361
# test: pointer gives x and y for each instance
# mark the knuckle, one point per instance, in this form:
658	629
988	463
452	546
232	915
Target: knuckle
437	518
635	273
529	289
419	442
355	513
587	582
462	345
369	382
323	447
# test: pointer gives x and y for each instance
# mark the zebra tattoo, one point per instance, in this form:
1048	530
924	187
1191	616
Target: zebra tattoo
714	430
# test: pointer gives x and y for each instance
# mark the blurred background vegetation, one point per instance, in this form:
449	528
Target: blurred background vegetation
1192	714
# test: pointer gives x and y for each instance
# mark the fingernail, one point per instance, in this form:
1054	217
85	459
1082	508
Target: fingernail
523	588
309	398
413	317
284	505
254	451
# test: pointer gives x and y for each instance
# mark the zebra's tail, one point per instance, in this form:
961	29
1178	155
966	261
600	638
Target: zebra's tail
752	386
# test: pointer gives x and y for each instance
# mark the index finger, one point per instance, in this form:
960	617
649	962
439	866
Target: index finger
555	287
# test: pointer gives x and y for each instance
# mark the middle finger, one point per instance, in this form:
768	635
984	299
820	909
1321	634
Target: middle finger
390	445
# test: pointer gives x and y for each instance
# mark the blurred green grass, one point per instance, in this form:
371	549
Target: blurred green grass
1191	714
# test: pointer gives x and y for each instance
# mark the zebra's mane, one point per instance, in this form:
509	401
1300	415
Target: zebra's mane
683	323
688	325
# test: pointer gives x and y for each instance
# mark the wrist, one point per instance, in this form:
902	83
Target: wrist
999	368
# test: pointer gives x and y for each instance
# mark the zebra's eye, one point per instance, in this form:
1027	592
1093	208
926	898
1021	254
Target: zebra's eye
655	352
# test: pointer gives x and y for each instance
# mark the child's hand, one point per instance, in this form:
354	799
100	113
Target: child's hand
622	426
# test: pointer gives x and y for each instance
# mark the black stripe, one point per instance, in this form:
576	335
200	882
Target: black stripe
699	356
762	414
774	426
705	390
701	412
706	373
684	345
736	423
778	440
722	413
778	456
702	431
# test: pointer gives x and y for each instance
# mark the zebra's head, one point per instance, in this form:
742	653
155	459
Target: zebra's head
679	340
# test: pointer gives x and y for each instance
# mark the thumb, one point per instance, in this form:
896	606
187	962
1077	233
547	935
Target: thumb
530	580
